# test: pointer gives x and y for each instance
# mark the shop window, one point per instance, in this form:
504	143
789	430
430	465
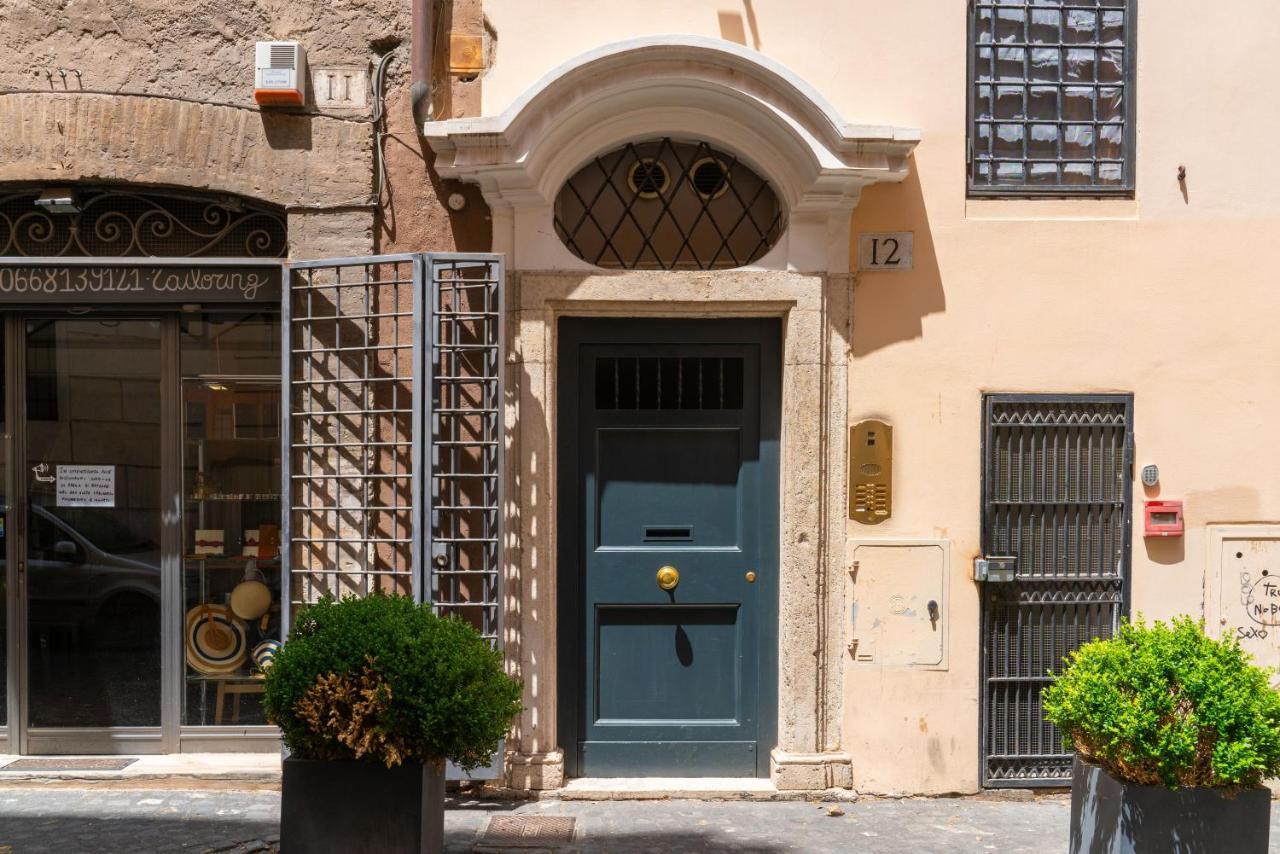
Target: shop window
231	497
1051	97
668	205
42	373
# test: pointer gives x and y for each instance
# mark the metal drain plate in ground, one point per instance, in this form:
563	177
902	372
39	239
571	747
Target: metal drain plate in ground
90	764
527	831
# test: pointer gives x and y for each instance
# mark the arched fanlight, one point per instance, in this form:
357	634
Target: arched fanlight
668	205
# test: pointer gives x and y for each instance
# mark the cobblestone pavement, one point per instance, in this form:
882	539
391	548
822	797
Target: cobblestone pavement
106	821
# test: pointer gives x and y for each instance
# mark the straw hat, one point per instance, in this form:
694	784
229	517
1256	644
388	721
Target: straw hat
215	640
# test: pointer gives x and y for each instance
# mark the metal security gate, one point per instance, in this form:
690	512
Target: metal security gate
380	471
1057	492
465	433
351	333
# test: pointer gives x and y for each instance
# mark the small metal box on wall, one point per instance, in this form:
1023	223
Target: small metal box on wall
870	471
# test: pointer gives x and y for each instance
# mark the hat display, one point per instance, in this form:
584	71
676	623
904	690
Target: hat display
251	598
216	640
264	654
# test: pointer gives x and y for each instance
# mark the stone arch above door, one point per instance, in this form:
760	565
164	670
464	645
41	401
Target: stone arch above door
685	87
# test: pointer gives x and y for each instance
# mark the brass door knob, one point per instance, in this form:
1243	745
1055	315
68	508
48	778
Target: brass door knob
668	577
751	577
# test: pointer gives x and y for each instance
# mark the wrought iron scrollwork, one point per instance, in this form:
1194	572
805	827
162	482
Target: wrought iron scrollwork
114	222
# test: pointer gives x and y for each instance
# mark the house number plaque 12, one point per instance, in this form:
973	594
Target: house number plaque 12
885	252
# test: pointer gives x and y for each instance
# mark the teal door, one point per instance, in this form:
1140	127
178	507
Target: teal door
668	451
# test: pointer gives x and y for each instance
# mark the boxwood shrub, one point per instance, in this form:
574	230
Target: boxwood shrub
384	678
1166	704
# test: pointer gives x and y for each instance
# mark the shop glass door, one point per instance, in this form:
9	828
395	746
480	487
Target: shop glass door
92	555
139	530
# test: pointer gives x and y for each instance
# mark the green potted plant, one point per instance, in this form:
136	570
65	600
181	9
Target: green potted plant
372	696
1174	733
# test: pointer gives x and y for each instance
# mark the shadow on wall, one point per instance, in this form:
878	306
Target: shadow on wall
733	26
287	130
891	307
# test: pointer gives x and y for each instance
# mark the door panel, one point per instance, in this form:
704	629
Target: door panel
667	665
92	559
666	485
670	429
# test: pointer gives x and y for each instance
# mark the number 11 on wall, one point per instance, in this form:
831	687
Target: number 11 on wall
886	251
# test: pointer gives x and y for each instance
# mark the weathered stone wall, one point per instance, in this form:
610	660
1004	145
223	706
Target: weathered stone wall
279	158
201	49
161	93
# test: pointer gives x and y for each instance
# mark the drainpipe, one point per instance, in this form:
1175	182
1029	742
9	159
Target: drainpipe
424	26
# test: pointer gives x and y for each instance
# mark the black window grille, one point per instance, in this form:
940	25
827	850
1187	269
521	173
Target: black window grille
1051	97
667	205
103	220
669	382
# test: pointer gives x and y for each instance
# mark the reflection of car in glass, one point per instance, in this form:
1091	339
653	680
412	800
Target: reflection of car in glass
88	572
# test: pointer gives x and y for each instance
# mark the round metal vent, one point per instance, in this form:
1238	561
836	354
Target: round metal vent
648	178
710	177
668	205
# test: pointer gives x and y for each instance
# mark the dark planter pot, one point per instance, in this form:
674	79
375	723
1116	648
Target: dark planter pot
357	807
1112	817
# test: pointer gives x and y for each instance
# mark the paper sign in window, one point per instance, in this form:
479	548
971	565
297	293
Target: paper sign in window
86	486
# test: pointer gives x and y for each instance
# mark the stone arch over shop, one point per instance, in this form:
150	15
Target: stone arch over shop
319	168
740	102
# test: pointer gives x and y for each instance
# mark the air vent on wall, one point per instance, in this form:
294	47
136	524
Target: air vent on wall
648	178
710	177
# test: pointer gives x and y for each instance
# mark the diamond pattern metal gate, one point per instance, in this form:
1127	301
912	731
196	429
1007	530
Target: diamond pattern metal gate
1057	493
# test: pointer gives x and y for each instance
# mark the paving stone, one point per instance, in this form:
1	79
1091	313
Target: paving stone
70	821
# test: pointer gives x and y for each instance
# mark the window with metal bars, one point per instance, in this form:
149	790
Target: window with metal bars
123	221
689	382
668	205
1051	97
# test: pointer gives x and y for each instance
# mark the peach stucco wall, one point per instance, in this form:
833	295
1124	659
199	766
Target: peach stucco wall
1171	295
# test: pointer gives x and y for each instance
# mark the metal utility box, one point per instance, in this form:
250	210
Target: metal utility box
898	603
870	471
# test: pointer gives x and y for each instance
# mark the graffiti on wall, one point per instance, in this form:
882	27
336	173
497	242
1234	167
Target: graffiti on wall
1251	596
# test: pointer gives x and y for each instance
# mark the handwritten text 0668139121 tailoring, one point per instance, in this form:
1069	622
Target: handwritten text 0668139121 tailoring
140	283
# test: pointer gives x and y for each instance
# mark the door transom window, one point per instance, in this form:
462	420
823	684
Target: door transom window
668	205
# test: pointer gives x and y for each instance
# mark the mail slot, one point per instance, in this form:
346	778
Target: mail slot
668	534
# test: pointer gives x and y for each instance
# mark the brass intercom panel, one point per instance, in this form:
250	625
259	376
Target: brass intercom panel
870	472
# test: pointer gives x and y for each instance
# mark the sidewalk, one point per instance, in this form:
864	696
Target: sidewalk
115	820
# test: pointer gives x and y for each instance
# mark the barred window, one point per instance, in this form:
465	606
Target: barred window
1051	97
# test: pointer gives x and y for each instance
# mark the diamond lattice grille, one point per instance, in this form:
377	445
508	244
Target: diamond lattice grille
667	205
